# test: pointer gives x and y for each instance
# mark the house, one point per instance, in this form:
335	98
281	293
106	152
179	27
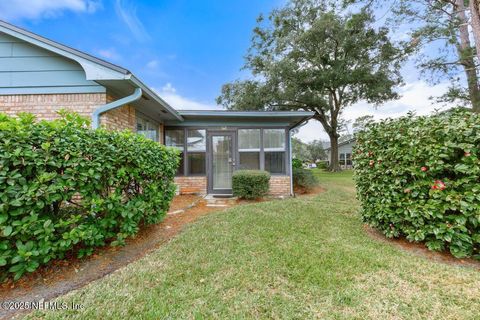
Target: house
344	153
40	76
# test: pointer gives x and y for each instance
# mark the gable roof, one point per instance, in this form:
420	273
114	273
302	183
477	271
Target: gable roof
119	80
342	143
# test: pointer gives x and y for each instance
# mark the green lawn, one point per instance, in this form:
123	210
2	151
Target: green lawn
298	258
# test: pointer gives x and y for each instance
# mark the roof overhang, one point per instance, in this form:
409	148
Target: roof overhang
290	119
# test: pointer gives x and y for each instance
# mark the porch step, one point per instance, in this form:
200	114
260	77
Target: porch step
223	201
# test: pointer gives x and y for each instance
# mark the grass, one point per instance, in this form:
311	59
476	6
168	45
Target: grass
292	259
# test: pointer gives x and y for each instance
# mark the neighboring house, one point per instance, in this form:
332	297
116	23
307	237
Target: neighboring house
40	76
344	153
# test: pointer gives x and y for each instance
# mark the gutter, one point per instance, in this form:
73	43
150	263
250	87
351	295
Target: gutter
136	95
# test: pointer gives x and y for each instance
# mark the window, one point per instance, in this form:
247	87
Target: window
147	128
274	149
249	148
196	152
349	159
342	159
176	138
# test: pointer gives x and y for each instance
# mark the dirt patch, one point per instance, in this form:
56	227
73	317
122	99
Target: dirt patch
420	250
62	276
305	192
183	202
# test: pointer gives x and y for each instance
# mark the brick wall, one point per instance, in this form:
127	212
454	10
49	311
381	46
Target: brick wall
191	185
119	118
280	186
45	106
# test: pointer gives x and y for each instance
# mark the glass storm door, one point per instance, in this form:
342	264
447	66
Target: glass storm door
222	162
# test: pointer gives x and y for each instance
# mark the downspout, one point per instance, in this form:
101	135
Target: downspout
136	95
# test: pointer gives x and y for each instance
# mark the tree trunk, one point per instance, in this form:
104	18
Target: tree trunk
334	161
466	58
475	12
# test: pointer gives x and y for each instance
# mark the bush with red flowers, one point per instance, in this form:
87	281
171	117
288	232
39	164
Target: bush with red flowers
419	178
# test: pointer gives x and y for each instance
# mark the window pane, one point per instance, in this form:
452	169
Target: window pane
174	138
274	139
275	162
196	163
180	165
349	159
249	139
250	160
196	140
147	128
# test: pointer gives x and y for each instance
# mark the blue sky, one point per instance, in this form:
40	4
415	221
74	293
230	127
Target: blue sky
183	49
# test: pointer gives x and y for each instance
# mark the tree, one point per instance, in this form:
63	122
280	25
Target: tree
316	151
307	56
441	38
361	123
299	150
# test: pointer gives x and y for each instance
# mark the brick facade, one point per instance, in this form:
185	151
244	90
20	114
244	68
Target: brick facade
280	186
119	118
191	185
46	106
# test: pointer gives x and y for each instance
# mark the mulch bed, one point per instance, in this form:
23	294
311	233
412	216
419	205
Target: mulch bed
420	250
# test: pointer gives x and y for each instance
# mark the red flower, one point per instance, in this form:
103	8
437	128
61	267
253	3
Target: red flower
372	162
438	185
467	154
407	190
424	169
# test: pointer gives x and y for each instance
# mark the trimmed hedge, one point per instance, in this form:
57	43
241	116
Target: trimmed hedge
304	179
66	188
419	177
250	184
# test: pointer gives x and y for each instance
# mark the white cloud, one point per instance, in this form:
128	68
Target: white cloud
35	9
153	64
169	94
128	14
414	97
109	54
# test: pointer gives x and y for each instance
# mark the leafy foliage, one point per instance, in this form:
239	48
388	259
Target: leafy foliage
309	55
66	188
250	184
304	179
419	177
441	38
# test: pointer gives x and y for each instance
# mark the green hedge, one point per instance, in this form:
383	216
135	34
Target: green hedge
250	184
419	177
66	188
304	179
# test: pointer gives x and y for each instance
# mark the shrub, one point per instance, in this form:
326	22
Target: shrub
297	163
250	184
419	177
66	188
322	165
304	180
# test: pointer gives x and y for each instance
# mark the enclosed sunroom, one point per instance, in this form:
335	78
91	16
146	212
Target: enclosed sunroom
214	144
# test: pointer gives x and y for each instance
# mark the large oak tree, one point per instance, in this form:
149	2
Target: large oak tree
307	56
